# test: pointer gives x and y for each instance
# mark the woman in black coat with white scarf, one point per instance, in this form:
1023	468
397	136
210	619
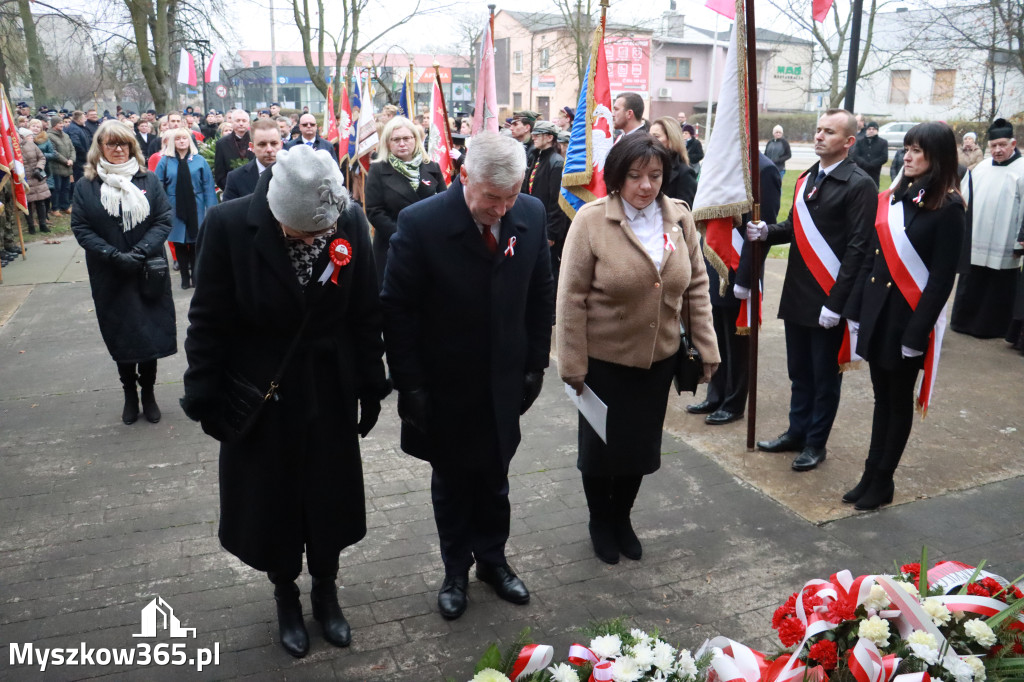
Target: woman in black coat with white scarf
121	217
901	294
297	248
401	176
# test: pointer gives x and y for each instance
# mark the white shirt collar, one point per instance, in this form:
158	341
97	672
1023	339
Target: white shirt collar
828	169
632	212
260	167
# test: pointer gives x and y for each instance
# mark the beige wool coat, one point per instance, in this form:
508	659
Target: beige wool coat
614	305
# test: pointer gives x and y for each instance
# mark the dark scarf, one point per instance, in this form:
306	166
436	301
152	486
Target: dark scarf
185	200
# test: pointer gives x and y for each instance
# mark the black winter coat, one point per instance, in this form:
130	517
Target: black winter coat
870	153
241	181
134	328
886	320
779	152
387	193
844	211
680	181
466	326
297	476
547	186
694	150
227	151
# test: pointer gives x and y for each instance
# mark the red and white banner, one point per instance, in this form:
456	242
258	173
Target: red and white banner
820	8
439	141
368	137
485	116
911	276
213	68
532	658
330	122
187	69
11	159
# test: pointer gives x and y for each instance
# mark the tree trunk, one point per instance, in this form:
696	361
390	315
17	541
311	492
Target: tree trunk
4	78
35	58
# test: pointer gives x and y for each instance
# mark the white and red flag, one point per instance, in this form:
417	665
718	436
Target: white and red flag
440	144
330	121
11	159
485	116
367	135
187	69
213	68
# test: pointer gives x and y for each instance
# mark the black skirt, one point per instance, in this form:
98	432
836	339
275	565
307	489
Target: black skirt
637	400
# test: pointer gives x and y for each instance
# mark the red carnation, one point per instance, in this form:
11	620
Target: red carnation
1018	648
978	590
791	631
993	587
911	569
824	652
786	610
1016	592
840	610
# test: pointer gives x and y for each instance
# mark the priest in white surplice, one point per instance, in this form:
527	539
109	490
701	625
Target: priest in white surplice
984	297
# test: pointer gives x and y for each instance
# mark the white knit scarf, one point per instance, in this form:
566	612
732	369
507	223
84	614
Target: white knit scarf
119	196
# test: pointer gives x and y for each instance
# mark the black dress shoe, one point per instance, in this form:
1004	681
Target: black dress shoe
809	458
327	612
291	627
784	443
722	417
701	408
504	581
451	600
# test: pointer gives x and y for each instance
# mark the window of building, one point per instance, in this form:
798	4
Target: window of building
517	101
517	62
677	69
255	64
545	57
942	86
899	87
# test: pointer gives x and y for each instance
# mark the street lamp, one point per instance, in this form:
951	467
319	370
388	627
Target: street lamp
202	69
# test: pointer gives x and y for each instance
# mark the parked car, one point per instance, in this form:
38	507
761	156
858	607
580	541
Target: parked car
893	132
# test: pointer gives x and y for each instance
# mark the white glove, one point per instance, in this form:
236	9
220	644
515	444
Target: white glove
910	352
454	154
742	293
757	232
827	319
854	327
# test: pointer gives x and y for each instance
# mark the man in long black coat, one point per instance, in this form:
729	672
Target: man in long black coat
871	152
467	303
840	201
232	147
544	181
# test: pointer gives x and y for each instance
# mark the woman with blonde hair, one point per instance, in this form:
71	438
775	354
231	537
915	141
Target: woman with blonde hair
121	218
34	147
680	179
402	175
188	181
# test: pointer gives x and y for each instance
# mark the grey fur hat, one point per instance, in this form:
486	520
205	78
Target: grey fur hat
307	192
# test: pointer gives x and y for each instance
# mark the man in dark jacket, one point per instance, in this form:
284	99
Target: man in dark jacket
871	152
266	143
309	135
544	181
230	148
81	138
467	303
828	228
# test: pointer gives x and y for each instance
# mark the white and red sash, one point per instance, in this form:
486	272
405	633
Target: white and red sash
910	275
821	260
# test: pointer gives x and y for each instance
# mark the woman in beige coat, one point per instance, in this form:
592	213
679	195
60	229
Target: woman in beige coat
37	191
631	269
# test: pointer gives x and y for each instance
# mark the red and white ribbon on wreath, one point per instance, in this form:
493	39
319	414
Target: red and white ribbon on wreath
868	664
532	658
579	655
913	677
510	250
340	252
911	276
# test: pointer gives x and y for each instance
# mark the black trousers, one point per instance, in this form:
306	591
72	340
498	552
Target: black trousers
812	355
894	414
321	565
728	387
472	513
36	211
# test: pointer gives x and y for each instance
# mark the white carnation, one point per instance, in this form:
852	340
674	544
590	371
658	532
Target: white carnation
643	655
625	669
877	599
664	656
909	588
980	632
978	667
563	672
606	646
925	653
686	665
875	629
934	608
960	670
640	636
923	638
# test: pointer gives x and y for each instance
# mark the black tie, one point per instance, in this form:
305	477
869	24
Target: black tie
821	176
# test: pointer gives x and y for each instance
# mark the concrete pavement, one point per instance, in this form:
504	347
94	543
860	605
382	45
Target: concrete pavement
97	518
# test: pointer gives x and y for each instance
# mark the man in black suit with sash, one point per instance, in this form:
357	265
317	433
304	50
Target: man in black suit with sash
266	143
828	229
467	302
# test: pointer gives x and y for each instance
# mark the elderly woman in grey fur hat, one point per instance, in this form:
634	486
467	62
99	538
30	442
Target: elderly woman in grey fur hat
288	299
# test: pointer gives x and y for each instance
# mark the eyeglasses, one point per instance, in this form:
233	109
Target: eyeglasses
402	140
307	125
116	145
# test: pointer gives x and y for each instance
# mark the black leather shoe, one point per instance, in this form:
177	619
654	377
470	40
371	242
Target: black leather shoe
327	612
784	443
602	535
809	458
291	627
722	417
701	408
451	600
504	581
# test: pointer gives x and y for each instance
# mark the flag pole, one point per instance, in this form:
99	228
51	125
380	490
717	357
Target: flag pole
491	8
755	194
444	106
21	236
604	11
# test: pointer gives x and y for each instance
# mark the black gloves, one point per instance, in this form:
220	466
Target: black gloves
532	383
206	413
413	408
369	410
127	262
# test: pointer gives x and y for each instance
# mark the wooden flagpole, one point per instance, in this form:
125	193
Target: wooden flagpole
444	106
754	302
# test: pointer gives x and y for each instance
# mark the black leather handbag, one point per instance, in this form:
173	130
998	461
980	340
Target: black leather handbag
689	364
154	277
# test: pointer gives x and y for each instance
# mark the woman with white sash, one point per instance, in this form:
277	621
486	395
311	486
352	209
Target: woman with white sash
899	303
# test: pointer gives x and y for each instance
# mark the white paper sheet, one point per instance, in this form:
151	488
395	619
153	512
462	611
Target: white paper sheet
592	408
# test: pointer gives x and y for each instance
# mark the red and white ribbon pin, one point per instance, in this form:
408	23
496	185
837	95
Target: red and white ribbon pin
669	246
510	250
340	252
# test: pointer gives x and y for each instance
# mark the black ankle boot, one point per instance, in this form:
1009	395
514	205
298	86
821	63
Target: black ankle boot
857	492
130	413
327	612
602	534
291	627
879	492
147	379
626	539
